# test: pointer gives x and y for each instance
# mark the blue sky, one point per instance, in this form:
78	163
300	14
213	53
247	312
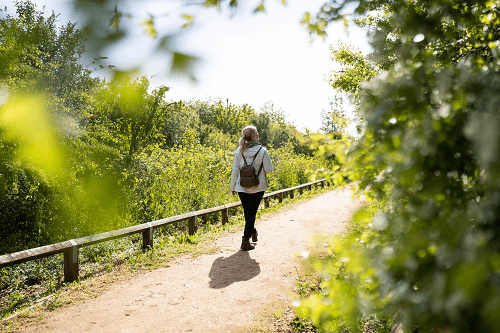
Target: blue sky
247	58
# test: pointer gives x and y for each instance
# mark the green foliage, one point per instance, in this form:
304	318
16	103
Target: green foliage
179	180
332	147
199	177
149	28
42	60
215	116
336	307
335	121
128	109
37	55
274	130
232	4
429	157
290	169
356	69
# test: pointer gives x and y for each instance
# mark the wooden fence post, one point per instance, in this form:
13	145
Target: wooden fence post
225	215
292	195
322	184
266	202
301	190
193	224
309	187
71	263
280	196
147	237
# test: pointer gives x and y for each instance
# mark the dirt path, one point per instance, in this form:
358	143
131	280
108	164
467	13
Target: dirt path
221	292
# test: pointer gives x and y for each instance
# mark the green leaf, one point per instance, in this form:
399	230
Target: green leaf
114	36
164	44
189	19
149	27
306	19
120	76
212	3
260	8
115	19
27	119
183	63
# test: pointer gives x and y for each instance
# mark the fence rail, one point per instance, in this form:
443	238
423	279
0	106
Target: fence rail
71	247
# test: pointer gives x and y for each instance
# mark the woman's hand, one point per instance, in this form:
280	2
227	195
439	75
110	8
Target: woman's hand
233	193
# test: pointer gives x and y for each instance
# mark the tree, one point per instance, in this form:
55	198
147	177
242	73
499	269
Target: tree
274	130
228	118
128	108
36	53
356	69
429	156
335	121
63	150
45	85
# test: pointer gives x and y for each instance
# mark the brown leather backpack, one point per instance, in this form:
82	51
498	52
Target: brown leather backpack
248	176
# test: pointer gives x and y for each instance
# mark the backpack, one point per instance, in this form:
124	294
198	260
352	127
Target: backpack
248	176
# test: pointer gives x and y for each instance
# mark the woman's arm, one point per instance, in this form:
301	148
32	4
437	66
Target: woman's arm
234	173
268	165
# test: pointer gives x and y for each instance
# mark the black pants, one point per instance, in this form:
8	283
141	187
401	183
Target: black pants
250	203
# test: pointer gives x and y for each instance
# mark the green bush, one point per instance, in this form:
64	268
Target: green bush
179	180
429	157
290	169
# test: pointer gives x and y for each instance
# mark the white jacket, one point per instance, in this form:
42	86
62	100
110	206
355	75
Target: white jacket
262	157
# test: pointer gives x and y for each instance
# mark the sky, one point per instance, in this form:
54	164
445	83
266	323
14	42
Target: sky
244	57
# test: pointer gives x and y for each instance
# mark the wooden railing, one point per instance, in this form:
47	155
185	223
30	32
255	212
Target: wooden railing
71	247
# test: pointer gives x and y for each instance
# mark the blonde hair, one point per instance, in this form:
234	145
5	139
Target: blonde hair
249	133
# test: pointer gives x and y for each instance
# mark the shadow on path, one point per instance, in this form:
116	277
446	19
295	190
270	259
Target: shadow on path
237	267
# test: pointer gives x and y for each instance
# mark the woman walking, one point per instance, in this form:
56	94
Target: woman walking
250	188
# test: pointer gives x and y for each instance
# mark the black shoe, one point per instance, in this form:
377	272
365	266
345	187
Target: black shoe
245	244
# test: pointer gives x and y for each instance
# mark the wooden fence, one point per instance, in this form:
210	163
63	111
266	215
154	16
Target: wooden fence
71	247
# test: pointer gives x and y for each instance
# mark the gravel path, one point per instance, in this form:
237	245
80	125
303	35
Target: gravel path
227	291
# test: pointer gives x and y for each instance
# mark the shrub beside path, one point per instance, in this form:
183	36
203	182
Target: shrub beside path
226	291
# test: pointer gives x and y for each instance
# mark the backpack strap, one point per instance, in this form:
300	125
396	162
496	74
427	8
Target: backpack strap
244	160
254	156
262	164
257	153
260	167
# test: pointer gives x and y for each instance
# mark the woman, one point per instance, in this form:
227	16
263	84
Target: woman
250	151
